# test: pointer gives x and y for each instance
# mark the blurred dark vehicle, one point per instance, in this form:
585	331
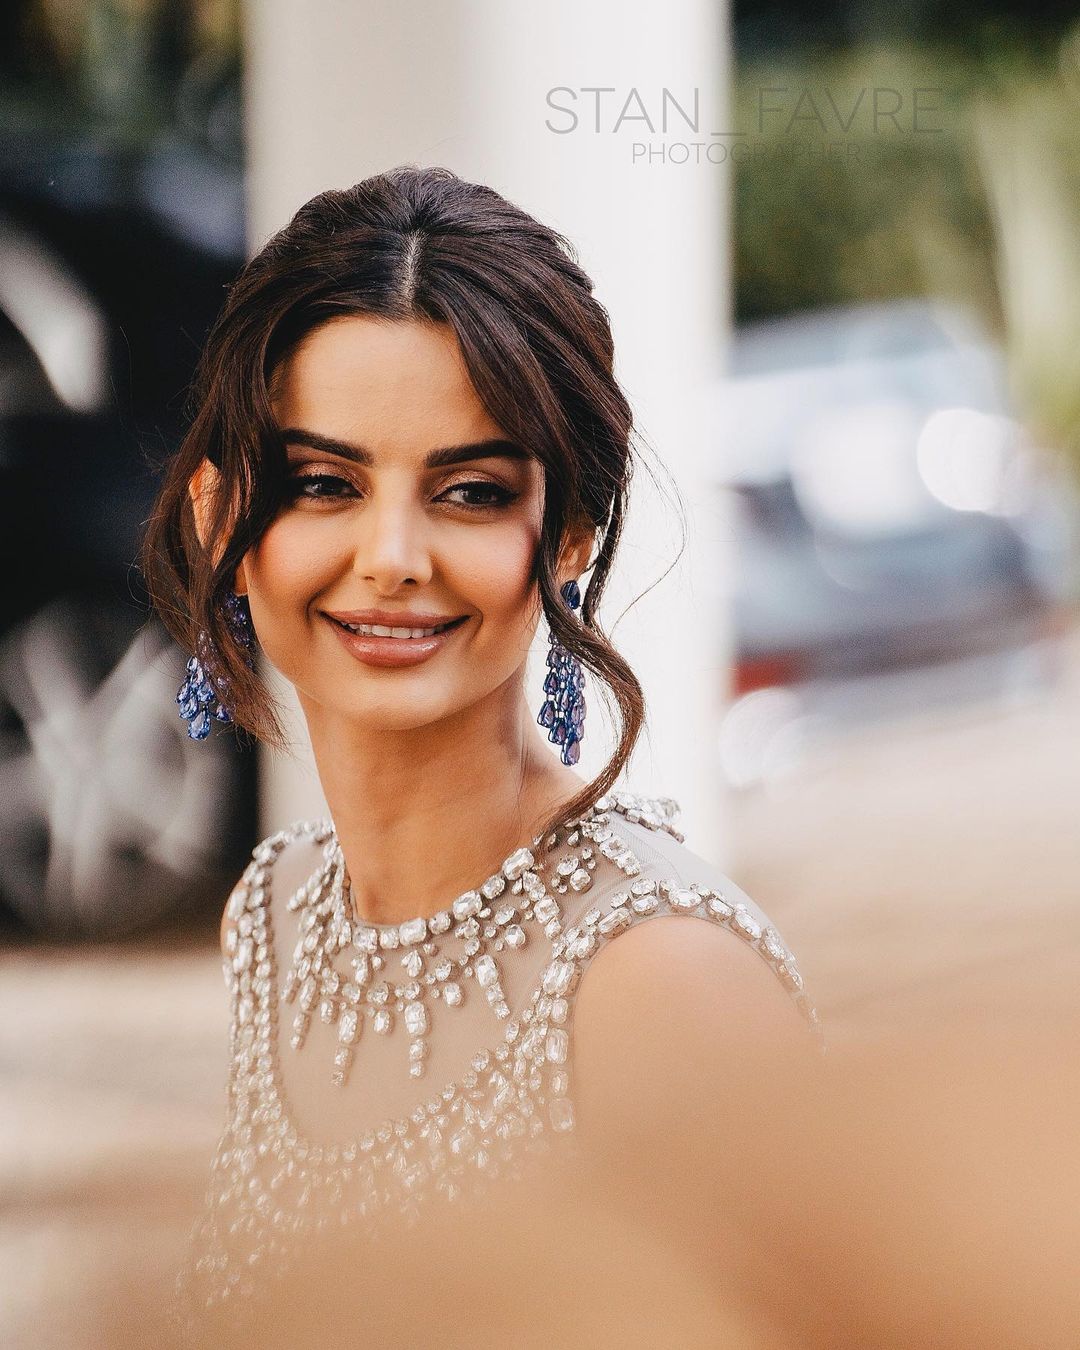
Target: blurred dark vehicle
899	545
114	252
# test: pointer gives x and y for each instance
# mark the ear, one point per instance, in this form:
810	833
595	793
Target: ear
205	484
576	551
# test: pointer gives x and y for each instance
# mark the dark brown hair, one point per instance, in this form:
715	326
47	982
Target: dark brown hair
410	244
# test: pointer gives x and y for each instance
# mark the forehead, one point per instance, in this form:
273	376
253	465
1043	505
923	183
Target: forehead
385	382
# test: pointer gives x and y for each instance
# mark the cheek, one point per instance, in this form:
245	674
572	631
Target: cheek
289	560
495	573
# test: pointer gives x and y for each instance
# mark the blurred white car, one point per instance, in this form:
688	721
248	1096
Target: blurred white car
899	542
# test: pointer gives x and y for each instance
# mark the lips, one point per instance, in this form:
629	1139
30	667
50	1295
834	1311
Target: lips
399	632
394	652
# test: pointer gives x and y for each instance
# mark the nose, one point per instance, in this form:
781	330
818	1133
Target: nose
393	545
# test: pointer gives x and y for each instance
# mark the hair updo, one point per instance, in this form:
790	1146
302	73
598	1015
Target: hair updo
410	244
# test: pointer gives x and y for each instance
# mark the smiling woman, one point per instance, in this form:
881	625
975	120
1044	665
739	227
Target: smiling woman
408	445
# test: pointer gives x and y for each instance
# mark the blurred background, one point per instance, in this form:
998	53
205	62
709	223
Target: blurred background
892	437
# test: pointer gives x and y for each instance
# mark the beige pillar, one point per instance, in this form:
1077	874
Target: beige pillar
597	120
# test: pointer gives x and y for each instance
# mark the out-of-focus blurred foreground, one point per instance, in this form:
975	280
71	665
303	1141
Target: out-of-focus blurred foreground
897	441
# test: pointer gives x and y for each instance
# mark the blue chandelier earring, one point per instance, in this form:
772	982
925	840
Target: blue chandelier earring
201	696
563	712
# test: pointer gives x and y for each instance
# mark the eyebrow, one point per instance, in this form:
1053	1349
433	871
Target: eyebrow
434	459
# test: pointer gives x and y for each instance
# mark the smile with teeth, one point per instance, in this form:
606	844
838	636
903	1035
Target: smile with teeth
380	630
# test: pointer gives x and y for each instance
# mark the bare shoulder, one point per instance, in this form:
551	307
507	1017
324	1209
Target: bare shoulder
676	1009
683	969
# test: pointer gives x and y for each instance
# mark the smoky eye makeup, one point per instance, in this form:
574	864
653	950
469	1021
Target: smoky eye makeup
313	481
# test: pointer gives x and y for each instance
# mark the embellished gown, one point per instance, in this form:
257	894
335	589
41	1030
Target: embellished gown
374	1066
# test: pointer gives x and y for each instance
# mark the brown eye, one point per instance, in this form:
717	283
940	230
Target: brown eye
482	494
305	484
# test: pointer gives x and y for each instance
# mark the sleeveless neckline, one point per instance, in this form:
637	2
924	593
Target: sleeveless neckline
271	1183
540	842
338	1151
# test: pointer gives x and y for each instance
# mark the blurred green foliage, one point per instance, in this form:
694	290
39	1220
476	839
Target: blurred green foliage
852	185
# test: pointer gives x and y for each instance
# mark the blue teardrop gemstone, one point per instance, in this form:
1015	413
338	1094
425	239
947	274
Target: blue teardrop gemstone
200	727
547	714
571	752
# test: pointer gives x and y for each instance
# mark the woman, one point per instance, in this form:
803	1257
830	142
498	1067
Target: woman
407	441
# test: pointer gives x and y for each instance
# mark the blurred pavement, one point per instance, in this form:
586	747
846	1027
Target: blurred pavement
911	870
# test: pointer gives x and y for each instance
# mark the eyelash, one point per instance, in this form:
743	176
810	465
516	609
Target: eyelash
295	487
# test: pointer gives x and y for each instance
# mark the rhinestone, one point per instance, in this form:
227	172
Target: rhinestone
644	904
614	922
348	1026
719	907
413	963
388	939
492	887
583	945
560	977
416	1019
451	992
685	899
559	1009
518	863
546	909
556	1046
465	906
379	993
383	1021
439	923
580	880
515	935
366	940
415	930
745	924
487	972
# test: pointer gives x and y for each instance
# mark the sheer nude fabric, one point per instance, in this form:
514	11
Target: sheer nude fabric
385	1139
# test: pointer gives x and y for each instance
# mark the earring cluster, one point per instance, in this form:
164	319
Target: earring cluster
202	697
563	711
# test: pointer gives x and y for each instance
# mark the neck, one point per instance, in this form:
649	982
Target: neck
424	814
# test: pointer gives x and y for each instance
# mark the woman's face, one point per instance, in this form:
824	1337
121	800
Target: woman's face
396	503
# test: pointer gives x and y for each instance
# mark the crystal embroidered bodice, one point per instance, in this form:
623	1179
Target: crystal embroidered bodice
426	1056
